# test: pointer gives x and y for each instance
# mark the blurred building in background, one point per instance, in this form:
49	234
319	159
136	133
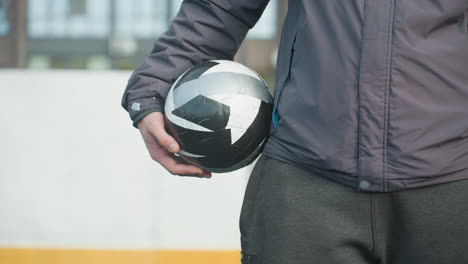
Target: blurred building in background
108	34
13	33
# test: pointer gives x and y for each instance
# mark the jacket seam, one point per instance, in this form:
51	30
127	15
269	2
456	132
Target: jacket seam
388	82
364	29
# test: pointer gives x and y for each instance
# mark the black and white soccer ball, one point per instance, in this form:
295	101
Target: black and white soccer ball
220	113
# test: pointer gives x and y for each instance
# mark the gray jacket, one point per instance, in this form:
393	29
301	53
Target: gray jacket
371	94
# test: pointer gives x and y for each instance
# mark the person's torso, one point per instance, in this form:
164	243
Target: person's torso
374	93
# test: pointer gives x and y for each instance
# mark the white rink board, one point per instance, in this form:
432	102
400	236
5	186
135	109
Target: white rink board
75	173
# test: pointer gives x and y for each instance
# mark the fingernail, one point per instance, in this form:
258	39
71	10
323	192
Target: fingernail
173	147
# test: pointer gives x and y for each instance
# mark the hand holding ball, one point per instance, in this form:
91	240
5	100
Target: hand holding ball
219	112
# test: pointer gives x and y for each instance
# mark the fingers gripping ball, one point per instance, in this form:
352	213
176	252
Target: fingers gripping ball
220	113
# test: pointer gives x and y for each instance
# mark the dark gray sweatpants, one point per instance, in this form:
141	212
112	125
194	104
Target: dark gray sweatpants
291	216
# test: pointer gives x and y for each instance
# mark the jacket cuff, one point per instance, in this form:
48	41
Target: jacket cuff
138	109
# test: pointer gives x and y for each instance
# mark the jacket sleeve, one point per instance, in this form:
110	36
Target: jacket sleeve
202	30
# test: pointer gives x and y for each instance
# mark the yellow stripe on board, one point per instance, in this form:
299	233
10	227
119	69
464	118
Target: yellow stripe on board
66	256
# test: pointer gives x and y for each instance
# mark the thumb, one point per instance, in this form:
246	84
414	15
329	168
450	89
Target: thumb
157	128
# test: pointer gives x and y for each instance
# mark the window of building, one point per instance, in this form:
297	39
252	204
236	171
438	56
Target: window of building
78	7
4	23
63	32
68	18
145	20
